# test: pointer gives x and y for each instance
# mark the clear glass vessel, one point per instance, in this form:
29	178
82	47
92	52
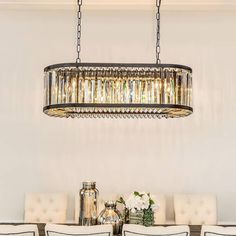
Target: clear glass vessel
110	215
88	204
136	217
148	217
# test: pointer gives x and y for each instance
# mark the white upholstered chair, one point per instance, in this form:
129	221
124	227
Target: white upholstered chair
19	230
218	230
45	207
195	209
139	230
65	230
160	214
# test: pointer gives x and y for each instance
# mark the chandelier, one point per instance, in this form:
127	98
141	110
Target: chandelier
85	90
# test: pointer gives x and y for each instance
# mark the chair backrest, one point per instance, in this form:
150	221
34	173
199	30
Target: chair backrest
19	230
65	230
45	207
195	209
217	230
160	214
139	230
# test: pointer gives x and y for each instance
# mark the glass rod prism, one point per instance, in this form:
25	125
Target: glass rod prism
118	90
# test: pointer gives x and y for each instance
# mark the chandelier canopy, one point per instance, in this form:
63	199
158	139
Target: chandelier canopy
118	90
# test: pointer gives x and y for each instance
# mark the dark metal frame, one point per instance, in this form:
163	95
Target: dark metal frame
115	65
106	105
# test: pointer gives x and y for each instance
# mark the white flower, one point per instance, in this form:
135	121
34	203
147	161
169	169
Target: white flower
145	205
145	197
140	201
133	202
155	207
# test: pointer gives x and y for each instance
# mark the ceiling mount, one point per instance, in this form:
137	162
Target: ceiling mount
170	5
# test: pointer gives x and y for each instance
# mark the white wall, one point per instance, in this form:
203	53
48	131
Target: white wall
38	153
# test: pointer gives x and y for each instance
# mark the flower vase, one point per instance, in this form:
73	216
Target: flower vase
148	217
110	215
136	217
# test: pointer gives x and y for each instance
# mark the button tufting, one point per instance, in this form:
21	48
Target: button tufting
195	209
45	208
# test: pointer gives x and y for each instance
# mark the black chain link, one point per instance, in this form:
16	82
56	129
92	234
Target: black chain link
158	18
79	14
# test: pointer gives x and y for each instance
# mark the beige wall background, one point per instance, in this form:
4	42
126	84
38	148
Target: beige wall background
42	154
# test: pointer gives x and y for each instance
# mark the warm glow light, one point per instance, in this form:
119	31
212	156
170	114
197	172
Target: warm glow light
110	91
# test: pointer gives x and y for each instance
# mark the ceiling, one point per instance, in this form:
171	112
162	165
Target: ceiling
100	4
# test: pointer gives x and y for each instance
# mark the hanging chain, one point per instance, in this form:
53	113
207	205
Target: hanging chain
158	18
79	14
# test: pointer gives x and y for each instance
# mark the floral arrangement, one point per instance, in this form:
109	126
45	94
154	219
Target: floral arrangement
140	205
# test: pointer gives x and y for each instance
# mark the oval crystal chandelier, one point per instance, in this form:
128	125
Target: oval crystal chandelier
118	90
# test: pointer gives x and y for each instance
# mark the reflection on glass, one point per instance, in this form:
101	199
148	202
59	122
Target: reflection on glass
159	86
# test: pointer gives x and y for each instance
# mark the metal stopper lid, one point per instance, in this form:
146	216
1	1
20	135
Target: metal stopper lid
89	184
110	203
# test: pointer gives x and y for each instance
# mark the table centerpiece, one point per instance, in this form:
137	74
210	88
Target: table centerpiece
139	208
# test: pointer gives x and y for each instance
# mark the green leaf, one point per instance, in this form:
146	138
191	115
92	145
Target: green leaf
121	200
151	202
136	193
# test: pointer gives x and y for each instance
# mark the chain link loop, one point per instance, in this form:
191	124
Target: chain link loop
158	18
79	15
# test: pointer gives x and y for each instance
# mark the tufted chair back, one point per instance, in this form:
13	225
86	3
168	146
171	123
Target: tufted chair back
160	214
195	209
45	207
